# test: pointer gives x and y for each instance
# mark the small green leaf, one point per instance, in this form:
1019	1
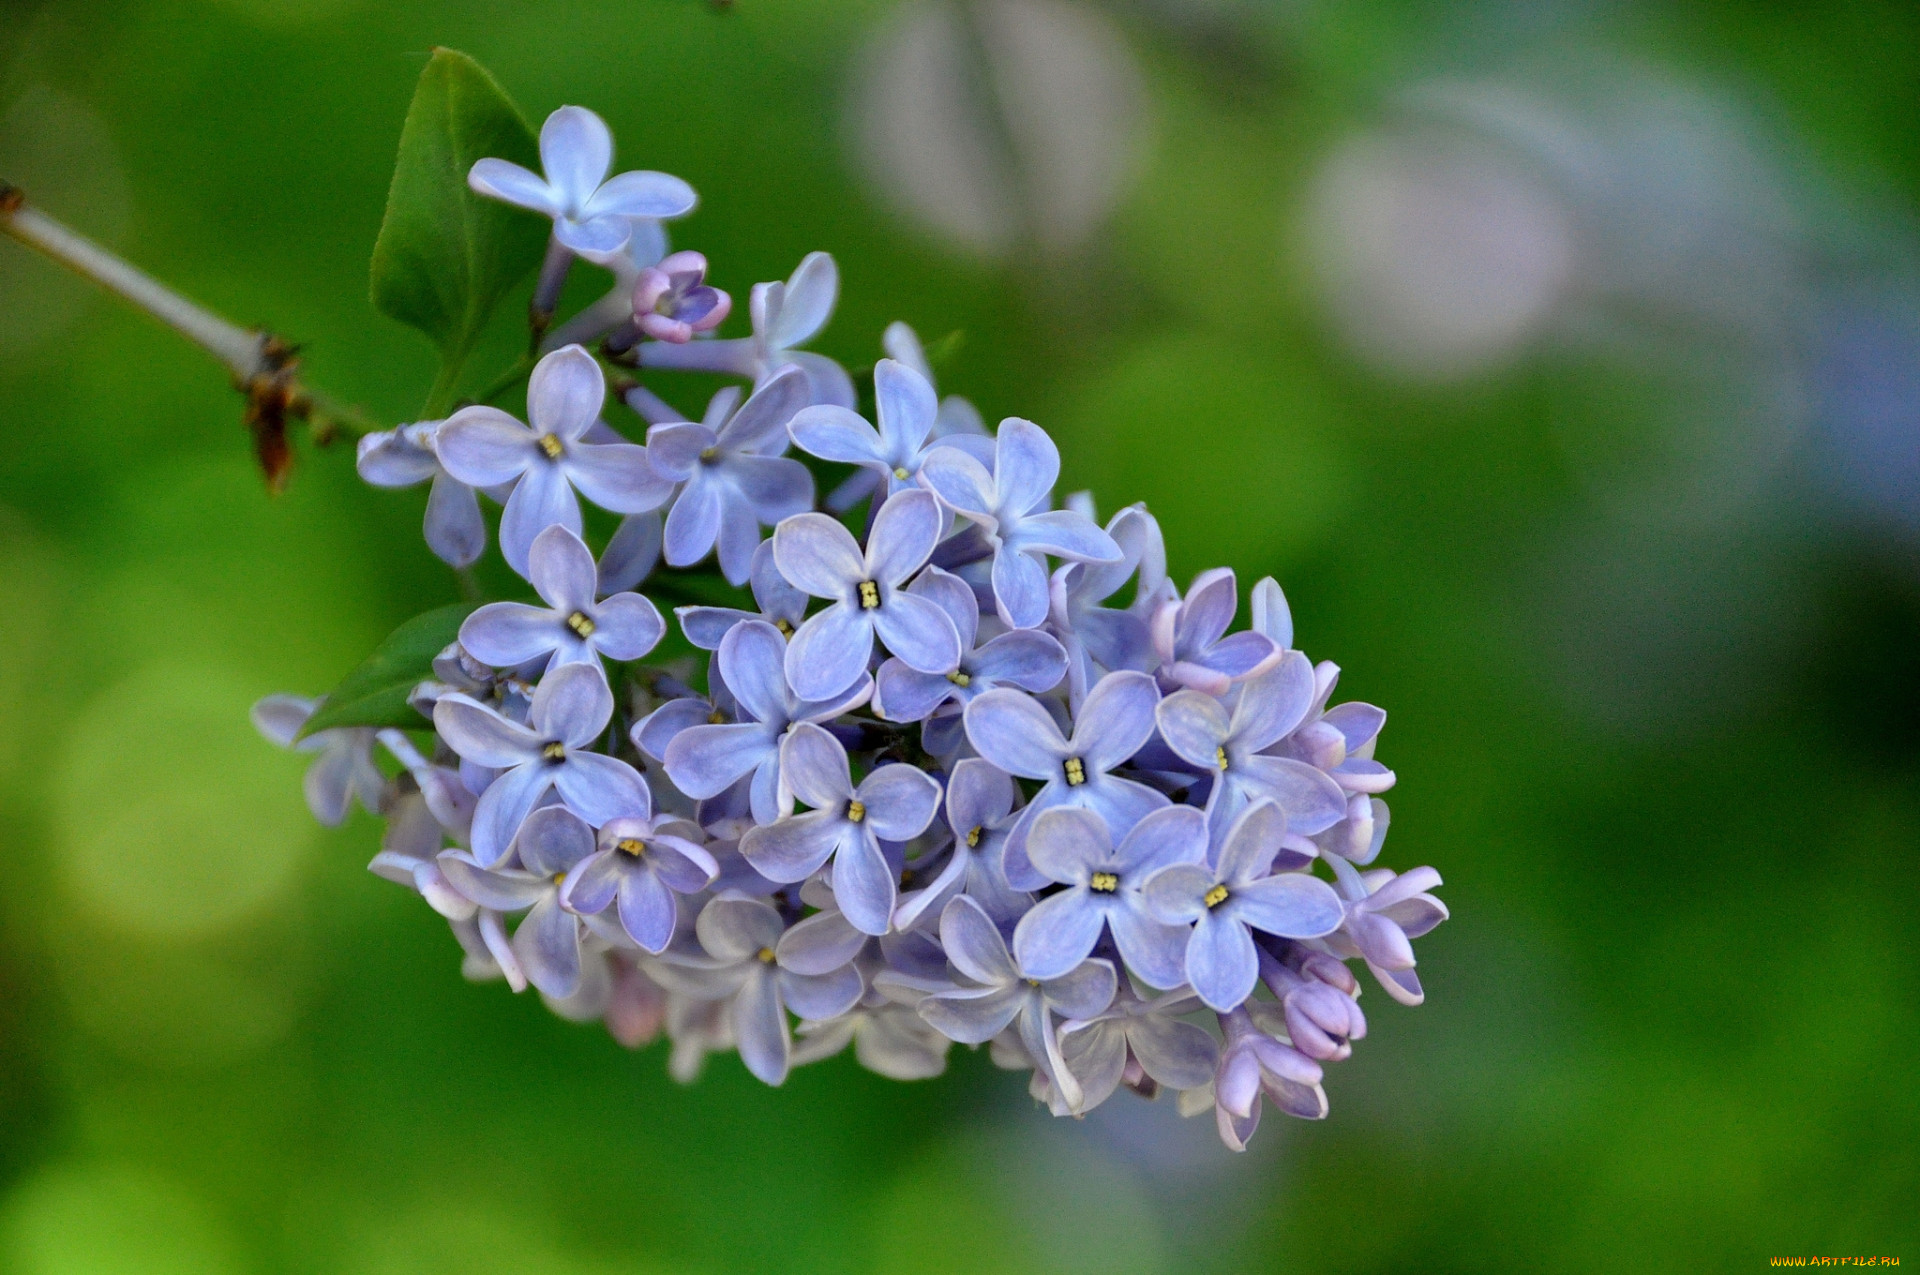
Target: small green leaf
445	256
375	694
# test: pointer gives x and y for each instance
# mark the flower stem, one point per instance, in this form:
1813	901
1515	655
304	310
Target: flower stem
242	351
264	367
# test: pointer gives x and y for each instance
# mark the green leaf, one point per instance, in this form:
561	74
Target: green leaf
375	694
445	256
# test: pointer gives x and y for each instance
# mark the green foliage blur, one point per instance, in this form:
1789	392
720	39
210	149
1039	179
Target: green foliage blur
1665	756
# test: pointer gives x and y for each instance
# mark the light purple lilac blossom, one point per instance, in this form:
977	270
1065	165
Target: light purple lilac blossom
963	768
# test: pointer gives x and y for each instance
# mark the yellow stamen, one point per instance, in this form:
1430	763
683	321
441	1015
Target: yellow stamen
716	718
785	627
856	810
1076	772
552	446
960	679
710	454
555	751
558	877
1104	882
899	472
1220	757
869	595
764	956
1215	897
973	838
580	624
631	845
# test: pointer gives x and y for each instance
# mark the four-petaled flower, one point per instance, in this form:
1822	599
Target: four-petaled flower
706	759
572	628
831	650
1105	885
846	824
1015	733
638	866
344	768
589	212
734	474
570	710
404	457
1024	658
998	995
1188	638
1230	747
890	455
979	811
485	447
1012	506
546	944
739	935
1236	896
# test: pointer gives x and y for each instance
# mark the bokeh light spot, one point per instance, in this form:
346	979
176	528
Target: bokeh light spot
172	817
110	1221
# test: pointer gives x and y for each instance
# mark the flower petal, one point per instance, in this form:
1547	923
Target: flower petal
632	553
541	499
498	179
815	767
902	537
973	943
760	1026
1064	843
973	1016
572	704
629	626
824	995
829	653
565	393
1312	801
1195	725
905	405
811	292
576	150
647	910
600	787
481	735
1116	720
794	848
1012	731
642	194
1292	905
818	555
484	447
901	801
961	482
837	434
617	477
552	840
1058	933
864	883
453	527
1220	961
918	632
1066	535
705	760
547	945
1019	587
693	524
1153	950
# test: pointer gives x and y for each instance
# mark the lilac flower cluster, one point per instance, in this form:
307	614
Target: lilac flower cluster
940	786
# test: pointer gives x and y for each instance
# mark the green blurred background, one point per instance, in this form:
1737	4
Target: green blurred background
1562	360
